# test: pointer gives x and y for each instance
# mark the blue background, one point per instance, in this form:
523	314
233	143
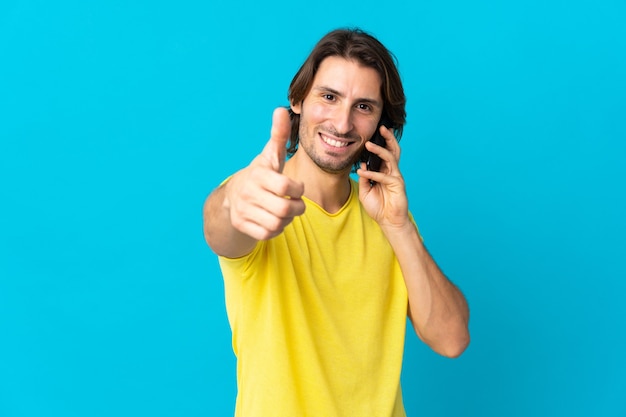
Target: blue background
118	118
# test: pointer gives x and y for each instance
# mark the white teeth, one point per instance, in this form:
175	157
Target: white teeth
335	143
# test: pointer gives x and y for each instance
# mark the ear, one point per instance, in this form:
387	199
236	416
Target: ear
296	107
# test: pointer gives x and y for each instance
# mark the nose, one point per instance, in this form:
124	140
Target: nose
343	120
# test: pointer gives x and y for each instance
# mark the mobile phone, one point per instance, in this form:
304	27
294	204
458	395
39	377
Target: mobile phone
372	160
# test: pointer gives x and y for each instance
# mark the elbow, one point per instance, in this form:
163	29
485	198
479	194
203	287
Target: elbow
213	242
455	339
450	345
209	238
456	348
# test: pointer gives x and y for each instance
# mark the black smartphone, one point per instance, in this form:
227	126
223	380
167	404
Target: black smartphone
372	160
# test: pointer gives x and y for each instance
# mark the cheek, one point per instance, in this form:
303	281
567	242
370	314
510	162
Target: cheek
367	130
316	113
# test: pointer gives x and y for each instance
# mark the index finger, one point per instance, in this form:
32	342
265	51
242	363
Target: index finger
391	143
282	186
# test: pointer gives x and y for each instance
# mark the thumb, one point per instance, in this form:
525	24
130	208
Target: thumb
275	150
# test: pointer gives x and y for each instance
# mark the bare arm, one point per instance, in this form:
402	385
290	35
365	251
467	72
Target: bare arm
437	309
257	202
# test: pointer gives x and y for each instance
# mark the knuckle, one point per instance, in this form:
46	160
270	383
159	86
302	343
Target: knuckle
265	234
282	186
283	210
237	221
274	226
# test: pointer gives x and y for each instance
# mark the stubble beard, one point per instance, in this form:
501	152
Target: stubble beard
334	166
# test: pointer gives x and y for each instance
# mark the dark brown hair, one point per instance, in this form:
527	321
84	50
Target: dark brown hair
358	45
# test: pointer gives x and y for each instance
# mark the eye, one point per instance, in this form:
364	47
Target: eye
364	107
328	96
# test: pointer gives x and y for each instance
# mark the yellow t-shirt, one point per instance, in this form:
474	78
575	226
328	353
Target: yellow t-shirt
318	316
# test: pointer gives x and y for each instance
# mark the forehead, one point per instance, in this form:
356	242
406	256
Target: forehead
348	77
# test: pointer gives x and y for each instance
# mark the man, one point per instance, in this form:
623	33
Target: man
321	271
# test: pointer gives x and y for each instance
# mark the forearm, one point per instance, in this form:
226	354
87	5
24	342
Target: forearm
220	234
437	309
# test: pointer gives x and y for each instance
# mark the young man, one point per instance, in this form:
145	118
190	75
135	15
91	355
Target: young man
321	271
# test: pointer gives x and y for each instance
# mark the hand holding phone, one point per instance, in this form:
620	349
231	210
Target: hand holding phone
373	161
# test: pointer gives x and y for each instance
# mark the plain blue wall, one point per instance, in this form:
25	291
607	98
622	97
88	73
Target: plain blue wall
117	119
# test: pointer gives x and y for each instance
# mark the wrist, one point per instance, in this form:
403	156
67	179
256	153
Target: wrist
407	230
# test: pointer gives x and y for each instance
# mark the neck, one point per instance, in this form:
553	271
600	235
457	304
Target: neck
328	190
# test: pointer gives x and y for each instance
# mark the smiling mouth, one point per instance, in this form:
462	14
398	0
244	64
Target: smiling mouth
334	142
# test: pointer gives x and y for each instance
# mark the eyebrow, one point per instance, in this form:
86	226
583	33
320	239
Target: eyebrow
371	101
